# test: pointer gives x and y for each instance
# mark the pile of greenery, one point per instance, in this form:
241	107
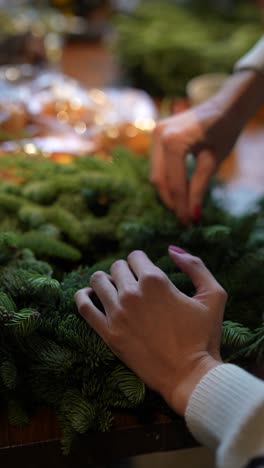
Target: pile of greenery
59	224
162	45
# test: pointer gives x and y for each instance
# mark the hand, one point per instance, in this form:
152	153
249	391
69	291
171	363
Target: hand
208	131
198	131
168	339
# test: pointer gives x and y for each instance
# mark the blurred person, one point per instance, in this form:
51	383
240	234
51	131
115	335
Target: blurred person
208	131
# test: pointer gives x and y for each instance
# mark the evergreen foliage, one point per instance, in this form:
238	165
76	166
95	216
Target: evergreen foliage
80	218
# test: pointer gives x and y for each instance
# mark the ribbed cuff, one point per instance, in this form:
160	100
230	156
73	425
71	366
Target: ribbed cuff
222	401
254	59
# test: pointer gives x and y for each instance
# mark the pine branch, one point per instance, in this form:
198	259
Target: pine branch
48	353
25	322
78	411
68	434
130	385
17	415
46	247
8	372
236	335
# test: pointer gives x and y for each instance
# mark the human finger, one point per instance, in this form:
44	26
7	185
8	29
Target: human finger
178	182
194	267
104	289
205	168
139	263
122	275
96	319
158	170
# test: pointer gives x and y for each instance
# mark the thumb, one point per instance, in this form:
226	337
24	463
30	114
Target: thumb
205	168
158	171
201	277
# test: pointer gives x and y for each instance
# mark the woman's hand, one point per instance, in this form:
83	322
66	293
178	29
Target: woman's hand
168	339
199	131
208	131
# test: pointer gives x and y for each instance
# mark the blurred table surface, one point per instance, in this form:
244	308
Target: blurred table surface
38	444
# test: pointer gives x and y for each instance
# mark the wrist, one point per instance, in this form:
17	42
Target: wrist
184	385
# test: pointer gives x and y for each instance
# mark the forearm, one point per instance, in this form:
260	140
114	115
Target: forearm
226	412
243	92
241	96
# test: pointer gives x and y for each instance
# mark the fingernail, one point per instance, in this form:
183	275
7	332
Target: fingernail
197	214
174	248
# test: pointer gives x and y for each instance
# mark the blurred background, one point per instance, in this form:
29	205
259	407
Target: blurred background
52	53
160	44
59	58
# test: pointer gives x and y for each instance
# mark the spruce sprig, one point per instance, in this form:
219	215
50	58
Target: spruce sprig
48	353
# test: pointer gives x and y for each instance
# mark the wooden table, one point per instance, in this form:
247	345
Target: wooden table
38	444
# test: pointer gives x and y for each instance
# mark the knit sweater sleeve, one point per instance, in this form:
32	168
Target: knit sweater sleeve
226	412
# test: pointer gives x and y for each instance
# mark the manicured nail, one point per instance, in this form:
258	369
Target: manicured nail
197	214
174	248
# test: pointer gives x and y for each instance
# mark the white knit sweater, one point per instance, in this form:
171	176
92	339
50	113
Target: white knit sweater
226	413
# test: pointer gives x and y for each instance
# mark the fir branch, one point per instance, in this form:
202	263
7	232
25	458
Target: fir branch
43	192
7	303
217	234
46	247
31	216
104	419
25	322
78	411
68	433
17	415
8	372
8	246
26	261
256	348
236	335
56	355
10	202
51	356
47	289
129	384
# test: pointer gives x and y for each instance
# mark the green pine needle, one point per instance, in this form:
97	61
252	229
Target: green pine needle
48	353
8	372
236	335
17	415
78	411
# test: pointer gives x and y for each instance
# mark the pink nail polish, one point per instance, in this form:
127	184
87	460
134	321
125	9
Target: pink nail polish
197	214
174	248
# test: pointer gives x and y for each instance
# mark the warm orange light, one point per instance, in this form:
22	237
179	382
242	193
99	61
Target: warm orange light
62	158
